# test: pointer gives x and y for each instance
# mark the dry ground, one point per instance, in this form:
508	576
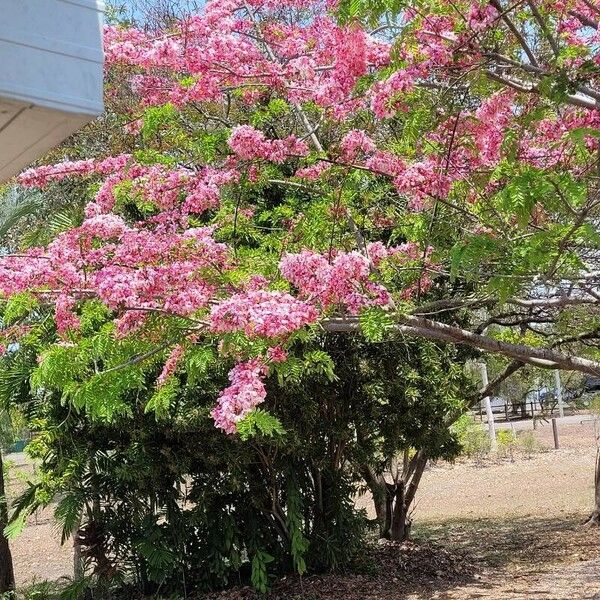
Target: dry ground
499	529
549	483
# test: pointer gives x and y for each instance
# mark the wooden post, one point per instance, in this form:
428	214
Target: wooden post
555	433
559	394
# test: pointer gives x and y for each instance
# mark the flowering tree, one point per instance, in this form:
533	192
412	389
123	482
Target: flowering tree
297	167
414	170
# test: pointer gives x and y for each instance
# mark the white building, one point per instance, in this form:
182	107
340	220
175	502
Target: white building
51	72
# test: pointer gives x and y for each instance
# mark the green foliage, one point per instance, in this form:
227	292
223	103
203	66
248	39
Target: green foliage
13	426
299	544
314	362
528	443
507	442
259	422
163	398
369	10
16	526
116	450
473	439
260	577
375	324
16	213
18	307
157	117
318	362
58	367
198	361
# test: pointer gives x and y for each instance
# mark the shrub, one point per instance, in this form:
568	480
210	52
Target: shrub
528	443
507	442
472	437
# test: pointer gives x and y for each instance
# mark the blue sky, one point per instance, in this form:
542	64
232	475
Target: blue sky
132	9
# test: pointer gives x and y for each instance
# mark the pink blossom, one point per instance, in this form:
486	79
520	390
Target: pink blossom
171	364
356	142
314	171
262	313
249	144
277	354
65	317
246	392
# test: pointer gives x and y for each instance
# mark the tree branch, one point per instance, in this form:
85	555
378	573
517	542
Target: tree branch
433	330
515	31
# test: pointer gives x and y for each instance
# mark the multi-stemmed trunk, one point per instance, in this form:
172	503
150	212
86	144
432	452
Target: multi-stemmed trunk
7	575
393	499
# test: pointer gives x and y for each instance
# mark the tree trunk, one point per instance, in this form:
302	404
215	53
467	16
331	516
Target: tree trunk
399	531
392	501
405	492
7	574
594	519
381	499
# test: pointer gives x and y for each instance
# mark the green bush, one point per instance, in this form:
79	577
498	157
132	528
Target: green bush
507	443
168	502
528	444
472	437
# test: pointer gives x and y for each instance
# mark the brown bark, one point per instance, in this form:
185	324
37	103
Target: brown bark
381	501
392	501
7	575
594	518
433	330
400	528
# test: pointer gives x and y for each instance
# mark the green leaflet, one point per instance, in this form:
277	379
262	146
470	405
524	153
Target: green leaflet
375	323
259	422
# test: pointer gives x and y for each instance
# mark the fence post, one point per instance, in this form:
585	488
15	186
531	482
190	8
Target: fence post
559	394
555	433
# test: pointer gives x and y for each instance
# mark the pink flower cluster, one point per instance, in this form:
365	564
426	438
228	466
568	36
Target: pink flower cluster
245	393
64	315
421	182
170	365
355	143
276	354
387	96
262	313
316	60
343	282
314	171
134	271
41	176
481	16
250	144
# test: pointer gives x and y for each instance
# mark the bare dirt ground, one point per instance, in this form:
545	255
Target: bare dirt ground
486	529
548	483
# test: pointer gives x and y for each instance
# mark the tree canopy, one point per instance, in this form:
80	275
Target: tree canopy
292	167
288	214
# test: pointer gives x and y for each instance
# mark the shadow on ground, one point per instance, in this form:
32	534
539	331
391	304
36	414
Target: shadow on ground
509	559
519	541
